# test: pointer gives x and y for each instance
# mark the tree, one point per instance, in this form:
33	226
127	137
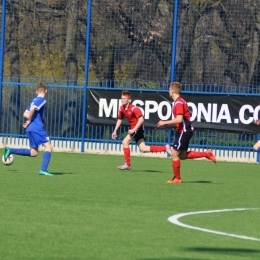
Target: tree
12	48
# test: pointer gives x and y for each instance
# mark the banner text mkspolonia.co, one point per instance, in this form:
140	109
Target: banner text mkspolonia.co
215	112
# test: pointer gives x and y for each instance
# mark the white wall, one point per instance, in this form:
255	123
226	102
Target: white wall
116	149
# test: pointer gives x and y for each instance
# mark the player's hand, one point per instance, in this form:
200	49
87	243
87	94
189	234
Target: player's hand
26	123
44	120
114	135
131	131
160	123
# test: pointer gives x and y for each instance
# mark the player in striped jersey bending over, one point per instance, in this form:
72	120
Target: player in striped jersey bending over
184	132
134	116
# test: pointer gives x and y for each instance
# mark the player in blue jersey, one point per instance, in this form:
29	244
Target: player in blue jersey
34	126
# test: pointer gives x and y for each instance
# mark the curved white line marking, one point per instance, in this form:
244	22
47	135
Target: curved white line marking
174	219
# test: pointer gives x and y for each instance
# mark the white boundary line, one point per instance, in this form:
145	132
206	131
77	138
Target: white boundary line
174	219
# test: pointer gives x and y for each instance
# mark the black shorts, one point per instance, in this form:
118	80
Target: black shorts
138	134
182	141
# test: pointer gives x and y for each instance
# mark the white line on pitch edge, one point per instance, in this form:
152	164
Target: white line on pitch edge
174	219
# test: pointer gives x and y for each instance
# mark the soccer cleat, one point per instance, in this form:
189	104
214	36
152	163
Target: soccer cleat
168	149
174	180
7	153
45	173
124	167
211	156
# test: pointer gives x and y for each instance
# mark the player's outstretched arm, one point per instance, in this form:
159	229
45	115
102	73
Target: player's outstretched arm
174	121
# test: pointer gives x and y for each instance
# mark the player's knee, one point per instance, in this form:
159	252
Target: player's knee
182	157
142	150
48	147
34	153
124	143
174	155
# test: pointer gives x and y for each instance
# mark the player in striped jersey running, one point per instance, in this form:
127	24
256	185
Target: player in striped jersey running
135	118
184	132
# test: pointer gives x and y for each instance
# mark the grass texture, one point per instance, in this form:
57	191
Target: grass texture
91	210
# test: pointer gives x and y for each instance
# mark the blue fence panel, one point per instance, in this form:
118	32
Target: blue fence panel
63	110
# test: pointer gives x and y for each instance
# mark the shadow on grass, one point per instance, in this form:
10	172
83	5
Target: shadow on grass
203	182
233	251
170	258
151	171
62	173
222	250
249	253
136	170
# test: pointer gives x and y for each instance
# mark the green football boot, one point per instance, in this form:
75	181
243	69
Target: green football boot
45	173
7	153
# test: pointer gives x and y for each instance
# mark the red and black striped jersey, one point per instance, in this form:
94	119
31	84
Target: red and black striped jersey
132	113
180	107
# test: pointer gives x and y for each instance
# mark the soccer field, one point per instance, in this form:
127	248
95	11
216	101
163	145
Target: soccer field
92	210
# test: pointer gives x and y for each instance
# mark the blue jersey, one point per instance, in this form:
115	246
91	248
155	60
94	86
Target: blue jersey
36	122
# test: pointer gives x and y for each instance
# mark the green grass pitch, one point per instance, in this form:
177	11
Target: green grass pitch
91	210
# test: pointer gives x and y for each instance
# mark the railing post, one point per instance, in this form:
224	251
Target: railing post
88	25
174	38
2	53
174	47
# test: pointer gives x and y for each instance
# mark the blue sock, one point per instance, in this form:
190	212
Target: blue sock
258	150
45	160
20	151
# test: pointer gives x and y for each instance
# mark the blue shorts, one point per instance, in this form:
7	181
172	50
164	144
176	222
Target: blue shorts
37	138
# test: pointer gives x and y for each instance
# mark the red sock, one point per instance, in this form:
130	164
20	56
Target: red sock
127	156
156	149
193	155
176	166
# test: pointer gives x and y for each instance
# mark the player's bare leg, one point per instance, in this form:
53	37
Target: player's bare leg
127	165
20	151
257	146
194	154
176	164
34	152
152	148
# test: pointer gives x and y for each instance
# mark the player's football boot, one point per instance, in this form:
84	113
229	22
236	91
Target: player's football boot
7	153
124	167
211	156
168	149
45	173
174	180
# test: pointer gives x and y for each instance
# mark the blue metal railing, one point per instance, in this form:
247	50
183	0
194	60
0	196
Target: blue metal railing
64	114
